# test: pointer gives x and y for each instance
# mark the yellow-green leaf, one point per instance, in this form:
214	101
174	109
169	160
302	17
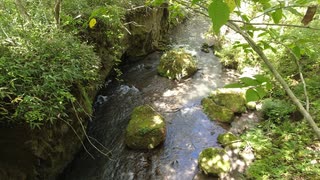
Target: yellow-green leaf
276	16
219	13
231	4
92	23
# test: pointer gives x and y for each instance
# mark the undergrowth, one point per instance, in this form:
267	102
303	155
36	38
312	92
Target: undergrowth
38	74
283	151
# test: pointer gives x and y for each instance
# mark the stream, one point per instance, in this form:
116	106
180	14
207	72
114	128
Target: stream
189	130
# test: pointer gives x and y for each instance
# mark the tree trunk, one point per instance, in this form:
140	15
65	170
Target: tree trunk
57	9
278	77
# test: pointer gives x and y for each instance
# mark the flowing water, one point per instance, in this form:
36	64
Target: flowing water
189	130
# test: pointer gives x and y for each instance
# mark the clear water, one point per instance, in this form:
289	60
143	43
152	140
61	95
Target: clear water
189	130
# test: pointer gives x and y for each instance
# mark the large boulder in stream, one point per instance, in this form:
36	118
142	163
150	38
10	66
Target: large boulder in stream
214	161
223	103
216	112
177	64
146	128
231	98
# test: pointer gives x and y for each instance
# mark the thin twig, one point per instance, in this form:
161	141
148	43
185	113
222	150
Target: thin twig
84	131
274	9
137	7
296	59
75	132
4	32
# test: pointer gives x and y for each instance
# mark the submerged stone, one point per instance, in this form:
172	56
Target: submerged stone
146	128
177	64
214	161
227	138
216	112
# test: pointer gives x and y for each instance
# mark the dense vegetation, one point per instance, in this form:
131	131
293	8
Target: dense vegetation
43	61
276	41
284	144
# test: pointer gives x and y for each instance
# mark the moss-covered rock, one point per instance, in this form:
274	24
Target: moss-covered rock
227	138
216	112
231	98
146	128
177	64
214	161
223	103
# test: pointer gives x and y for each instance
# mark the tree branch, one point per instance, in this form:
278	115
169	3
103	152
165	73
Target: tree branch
271	24
296	59
274	9
232	25
57	9
278	77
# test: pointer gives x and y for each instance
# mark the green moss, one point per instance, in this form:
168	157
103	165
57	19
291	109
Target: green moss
231	98
146	129
177	64
213	161
227	138
86	100
216	112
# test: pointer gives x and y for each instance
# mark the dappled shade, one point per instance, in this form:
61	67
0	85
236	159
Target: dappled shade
214	161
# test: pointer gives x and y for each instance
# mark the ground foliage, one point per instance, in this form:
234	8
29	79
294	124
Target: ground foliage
285	148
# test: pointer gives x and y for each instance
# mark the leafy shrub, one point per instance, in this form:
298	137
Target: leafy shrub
38	71
277	110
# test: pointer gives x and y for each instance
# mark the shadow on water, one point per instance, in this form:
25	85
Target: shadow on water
189	130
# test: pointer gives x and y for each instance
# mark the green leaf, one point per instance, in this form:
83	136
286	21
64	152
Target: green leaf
277	15
231	4
261	92
294	11
269	86
263	34
261	78
296	51
265	5
219	14
252	95
249	81
245	18
234	85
